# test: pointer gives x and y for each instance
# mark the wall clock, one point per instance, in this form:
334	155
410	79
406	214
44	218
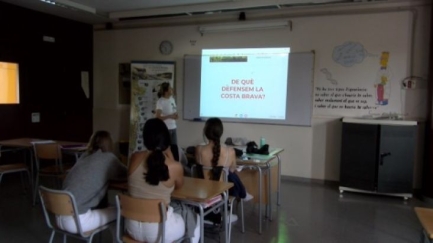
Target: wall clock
165	47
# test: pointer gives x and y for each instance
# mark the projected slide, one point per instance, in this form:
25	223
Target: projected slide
244	83
9	83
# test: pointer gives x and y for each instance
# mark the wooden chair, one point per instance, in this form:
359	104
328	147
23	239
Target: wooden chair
142	210
62	203
48	152
425	216
207	175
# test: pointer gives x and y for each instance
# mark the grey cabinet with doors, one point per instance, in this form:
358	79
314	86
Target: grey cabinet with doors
378	156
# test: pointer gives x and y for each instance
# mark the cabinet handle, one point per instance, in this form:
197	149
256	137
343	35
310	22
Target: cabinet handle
383	155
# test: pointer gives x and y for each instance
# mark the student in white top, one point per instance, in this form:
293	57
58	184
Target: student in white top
166	110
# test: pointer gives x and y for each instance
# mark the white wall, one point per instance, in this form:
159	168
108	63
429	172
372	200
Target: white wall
310	152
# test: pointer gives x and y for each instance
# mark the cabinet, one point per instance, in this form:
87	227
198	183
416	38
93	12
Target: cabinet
378	156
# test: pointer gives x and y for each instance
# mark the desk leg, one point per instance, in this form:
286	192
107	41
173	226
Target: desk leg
260	199
225	218
269	191
201	223
29	162
279	180
35	175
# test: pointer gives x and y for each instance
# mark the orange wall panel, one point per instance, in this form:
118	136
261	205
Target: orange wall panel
9	83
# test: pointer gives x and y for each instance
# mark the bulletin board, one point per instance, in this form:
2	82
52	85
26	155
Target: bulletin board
362	64
146	79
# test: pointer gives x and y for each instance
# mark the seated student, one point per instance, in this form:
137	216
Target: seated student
88	182
213	154
154	174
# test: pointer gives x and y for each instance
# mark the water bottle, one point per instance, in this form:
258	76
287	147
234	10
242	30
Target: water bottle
262	141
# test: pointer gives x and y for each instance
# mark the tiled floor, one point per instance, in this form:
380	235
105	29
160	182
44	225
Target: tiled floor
308	213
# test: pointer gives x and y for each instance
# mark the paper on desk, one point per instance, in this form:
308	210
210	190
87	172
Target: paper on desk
259	156
76	147
239	168
43	142
211	201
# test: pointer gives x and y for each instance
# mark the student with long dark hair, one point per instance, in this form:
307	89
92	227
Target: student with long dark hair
166	109
213	154
154	174
88	182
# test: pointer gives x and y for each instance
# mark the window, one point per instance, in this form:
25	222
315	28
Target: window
9	83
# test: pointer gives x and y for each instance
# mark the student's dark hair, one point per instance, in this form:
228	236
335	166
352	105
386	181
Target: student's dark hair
163	89
100	140
213	130
156	139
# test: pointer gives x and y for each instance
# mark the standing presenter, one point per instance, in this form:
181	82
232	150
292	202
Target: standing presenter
166	109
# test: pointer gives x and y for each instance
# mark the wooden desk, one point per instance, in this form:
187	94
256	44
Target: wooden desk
193	189
195	192
28	142
261	177
262	171
200	190
24	143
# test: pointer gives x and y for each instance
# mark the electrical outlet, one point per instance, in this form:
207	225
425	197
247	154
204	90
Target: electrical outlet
409	83
36	117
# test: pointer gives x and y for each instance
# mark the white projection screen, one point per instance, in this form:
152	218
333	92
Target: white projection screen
255	94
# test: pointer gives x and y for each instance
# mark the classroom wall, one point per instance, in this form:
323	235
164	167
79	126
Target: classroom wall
310	152
50	75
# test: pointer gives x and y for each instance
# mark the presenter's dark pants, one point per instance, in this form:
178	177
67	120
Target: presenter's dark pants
173	136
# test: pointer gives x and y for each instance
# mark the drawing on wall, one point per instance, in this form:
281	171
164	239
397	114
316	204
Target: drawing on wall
124	83
382	83
355	98
362	76
146	80
328	76
349	54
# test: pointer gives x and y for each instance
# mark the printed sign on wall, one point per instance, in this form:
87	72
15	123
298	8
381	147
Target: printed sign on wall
146	79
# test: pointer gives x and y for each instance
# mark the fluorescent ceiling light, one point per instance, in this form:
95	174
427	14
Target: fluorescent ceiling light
245	26
70	5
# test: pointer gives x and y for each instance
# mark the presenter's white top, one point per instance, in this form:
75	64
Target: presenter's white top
167	107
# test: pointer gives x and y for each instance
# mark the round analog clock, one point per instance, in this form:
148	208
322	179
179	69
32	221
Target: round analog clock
166	47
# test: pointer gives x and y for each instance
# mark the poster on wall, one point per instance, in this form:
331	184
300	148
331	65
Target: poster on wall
146	79
362	77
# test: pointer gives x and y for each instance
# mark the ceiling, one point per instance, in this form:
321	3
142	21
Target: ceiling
115	10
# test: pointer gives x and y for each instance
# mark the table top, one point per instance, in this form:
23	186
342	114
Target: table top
200	190
260	158
193	189
27	143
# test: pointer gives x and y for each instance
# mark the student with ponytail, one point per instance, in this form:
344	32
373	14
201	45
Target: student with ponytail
213	154
154	174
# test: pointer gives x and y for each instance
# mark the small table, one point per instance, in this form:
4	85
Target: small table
27	143
264	162
195	192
